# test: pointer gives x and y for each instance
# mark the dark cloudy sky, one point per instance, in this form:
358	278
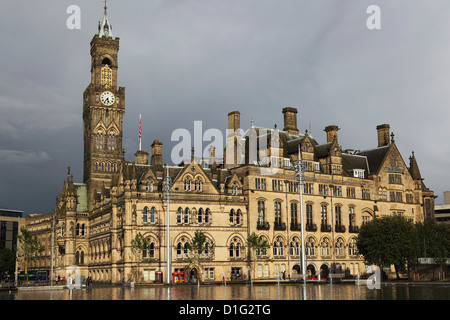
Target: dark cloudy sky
188	60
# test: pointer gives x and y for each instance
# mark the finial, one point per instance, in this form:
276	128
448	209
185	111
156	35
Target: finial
392	137
252	122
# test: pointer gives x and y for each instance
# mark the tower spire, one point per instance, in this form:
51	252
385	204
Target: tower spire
104	27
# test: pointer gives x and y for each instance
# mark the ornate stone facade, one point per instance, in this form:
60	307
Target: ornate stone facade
96	221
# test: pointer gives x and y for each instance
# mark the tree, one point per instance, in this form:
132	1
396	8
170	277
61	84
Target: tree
139	246
29	247
389	241
434	240
7	261
256	244
200	248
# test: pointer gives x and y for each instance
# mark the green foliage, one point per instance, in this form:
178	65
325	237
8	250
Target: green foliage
139	244
197	250
7	261
434	240
391	240
255	243
29	245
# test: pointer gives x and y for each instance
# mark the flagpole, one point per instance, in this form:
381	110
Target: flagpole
140	133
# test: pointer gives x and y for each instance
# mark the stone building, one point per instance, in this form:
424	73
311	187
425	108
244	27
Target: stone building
253	189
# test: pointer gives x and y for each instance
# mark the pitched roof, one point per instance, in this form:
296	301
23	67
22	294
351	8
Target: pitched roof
375	157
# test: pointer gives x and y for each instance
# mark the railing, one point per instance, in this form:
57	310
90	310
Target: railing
263	225
339	228
353	229
325	228
280	226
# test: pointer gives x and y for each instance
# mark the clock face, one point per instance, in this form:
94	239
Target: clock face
107	98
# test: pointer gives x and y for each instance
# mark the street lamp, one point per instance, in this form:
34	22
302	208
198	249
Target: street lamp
167	189
299	169
332	234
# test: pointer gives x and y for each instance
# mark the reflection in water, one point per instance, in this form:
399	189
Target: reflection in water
244	292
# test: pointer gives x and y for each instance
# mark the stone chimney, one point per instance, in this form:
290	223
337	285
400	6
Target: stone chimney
141	157
290	120
157	160
234	120
383	135
332	133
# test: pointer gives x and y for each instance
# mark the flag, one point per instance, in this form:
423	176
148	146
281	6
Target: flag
140	132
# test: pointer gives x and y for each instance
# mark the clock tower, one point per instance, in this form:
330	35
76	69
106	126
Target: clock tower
103	111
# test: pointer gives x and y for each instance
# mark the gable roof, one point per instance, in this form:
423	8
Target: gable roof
375	157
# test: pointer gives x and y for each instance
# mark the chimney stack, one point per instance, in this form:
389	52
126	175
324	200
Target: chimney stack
290	120
157	160
234	120
141	157
383	135
331	133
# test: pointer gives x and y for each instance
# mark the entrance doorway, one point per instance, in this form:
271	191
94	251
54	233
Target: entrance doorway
324	271
193	275
311	270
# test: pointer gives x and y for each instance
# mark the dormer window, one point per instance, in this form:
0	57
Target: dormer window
358	173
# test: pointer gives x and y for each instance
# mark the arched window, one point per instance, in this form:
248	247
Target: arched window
200	215
106	72
179	214
82	230
309	214
208	216
206	254
111	142
145	215
339	248
294	249
239	217
78	229
337	211
278	247
99	141
82	257
186	215
325	248
294	217
187	184
310	247
152	250
277	209
186	250
352	250
152	215
145	251
179	250
323	215
231	216
261	212
235	248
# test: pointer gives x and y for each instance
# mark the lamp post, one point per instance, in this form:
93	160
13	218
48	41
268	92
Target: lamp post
332	234
167	189
299	167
